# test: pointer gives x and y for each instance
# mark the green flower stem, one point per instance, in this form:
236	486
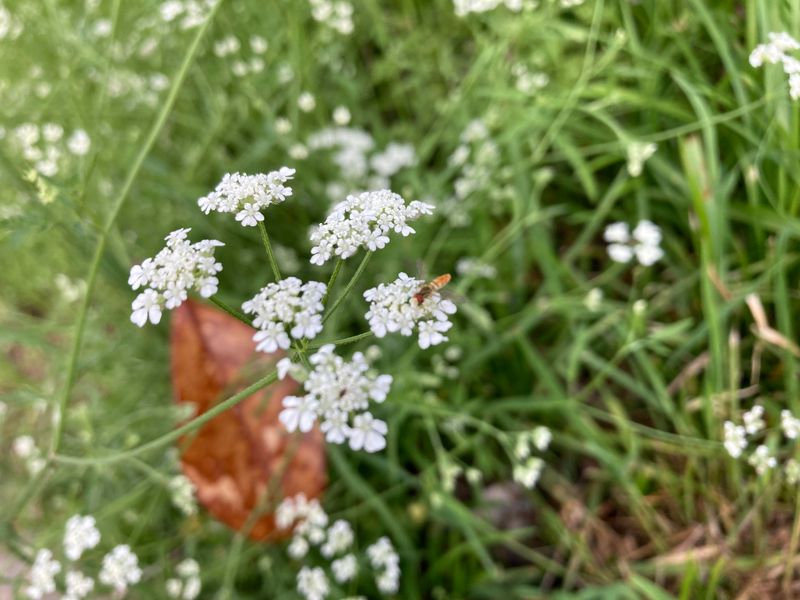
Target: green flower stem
332	280
175	433
231	311
100	245
276	272
342	342
349	286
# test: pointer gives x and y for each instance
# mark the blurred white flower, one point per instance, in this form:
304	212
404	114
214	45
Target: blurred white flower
363	221
644	244
312	583
383	558
80	534
120	569
339	538
42	575
298	151
24	446
775	51
182	494
396	307
341	115
345	568
78	585
638	154
790	425
527	473
761	460
258	44
187	585
336	14
792	471
283	125
475	267
735	439
79	142
393	158
753	420
306	102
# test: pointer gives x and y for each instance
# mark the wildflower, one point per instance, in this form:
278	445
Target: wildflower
753	420
790	425
258	44
395	307
120	568
475	267
24	446
226	46
644	244
775	51
42	575
80	534
312	583
792	470
337	392
78	585
182	492
527	474
465	7
298	151
283	125
351	147
363	221
336	14
289	304
382	556
593	299
306	102
339	538
638	154
735	439
345	568
541	437
761	460
393	158
341	115
79	143
247	195
178	267
187	585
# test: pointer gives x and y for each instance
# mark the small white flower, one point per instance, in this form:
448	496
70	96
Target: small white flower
345	568
617	233
299	413
394	158
527	474
792	471
258	44
283	125
735	439
790	425
250	215
24	446
753	420
541	437
298	151
120	568
42	575
341	115
593	299
638	154
368	433
474	267
340	537
306	102
80	534
79	143
761	460
383	557
312	583
78	585
644	244
774	52
182	494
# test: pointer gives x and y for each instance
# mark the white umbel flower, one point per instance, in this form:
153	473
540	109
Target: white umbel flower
761	460
644	243
339	393
289	307
248	195
754	420
187	585
393	158
312	583
42	575
345	568
78	585
384	559
120	568
638	154
734	439
364	221
80	534
774	52
527	474
182	492
79	143
790	425
177	268
396	307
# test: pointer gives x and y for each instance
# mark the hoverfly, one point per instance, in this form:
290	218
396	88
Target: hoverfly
434	285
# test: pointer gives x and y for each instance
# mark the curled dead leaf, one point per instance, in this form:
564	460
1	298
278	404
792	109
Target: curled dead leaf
243	461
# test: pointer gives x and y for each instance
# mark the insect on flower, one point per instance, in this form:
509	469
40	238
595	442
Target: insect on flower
434	285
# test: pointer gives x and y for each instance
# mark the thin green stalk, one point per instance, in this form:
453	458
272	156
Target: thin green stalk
348	340
349	286
91	278
332	280
276	272
230	310
175	433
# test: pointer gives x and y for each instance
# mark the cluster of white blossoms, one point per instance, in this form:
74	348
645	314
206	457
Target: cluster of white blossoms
528	468
644	244
10	27
24	446
120	566
187	13
638	154
351	147
393	158
338	394
363	221
475	267
248	195
736	439
46	147
465	7
187	585
241	64
335	541
400	306
289	305
528	82
167	277
336	14
182	494
775	51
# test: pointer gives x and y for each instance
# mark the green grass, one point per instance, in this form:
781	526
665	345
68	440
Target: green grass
638	498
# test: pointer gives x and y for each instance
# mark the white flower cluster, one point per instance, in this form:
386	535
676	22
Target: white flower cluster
351	148
400	306
248	195
338	393
335	542
10	27
638	154
775	51
120	566
289	304
475	267
529	82
644	244
528	468
363	221
182	492
187	585
241	64
393	158
45	146
336	14
465	7
24	446
120	569
187	13
762	459
178	267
